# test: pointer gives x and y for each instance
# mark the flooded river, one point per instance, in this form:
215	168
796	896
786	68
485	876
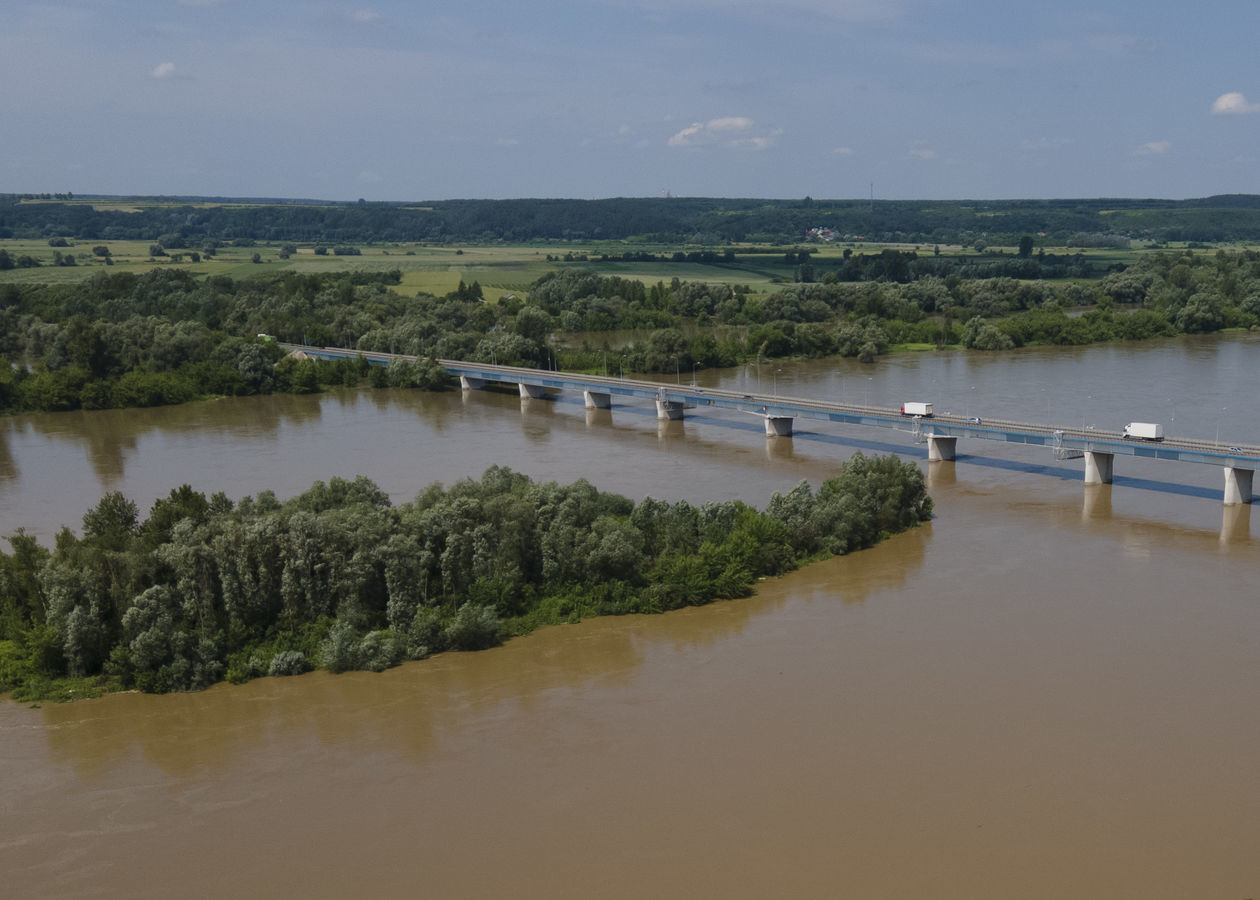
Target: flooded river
1047	691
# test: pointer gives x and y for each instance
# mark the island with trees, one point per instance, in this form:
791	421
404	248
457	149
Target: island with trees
205	589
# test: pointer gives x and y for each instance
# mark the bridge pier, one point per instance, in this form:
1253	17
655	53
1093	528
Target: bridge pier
469	383
1237	485
941	448
1098	467
669	409
532	391
778	426
597	400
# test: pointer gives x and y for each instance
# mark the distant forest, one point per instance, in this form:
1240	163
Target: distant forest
712	221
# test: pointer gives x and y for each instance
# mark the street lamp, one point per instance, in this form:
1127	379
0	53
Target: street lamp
776	381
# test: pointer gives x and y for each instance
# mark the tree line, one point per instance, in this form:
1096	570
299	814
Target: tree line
673	220
122	340
204	589
1163	294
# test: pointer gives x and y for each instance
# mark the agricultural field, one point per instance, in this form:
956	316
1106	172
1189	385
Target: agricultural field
499	268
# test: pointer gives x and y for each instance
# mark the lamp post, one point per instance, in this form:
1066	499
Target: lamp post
776	382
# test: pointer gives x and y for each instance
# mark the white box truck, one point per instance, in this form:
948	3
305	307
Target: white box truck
1143	431
911	408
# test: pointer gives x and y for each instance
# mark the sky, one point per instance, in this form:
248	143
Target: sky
432	100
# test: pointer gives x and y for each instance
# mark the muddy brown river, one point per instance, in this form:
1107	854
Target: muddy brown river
1048	691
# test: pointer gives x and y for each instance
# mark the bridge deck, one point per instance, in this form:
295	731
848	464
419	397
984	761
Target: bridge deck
1057	437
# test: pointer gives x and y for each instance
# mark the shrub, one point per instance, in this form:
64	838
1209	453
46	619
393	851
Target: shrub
473	628
288	662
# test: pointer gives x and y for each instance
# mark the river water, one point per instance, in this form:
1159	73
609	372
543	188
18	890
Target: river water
1047	691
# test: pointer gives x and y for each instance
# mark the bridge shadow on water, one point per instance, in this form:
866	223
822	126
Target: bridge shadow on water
1067	472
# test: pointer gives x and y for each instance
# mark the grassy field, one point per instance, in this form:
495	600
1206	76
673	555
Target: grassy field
498	268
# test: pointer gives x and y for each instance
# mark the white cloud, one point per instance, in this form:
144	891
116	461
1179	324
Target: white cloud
730	124
365	15
202	2
843	151
507	142
1153	148
726	131
922	153
163	71
367	176
1233	104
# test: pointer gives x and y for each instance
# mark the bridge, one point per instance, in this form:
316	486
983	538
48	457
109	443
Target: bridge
941	432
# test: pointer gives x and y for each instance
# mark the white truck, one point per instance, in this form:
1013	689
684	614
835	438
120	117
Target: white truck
1143	431
911	408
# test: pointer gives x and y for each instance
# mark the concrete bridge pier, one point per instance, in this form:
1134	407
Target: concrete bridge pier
471	383
532	391
1098	467
597	400
778	426
941	448
1237	485
669	409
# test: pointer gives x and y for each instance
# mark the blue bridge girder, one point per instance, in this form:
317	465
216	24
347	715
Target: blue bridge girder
1055	437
